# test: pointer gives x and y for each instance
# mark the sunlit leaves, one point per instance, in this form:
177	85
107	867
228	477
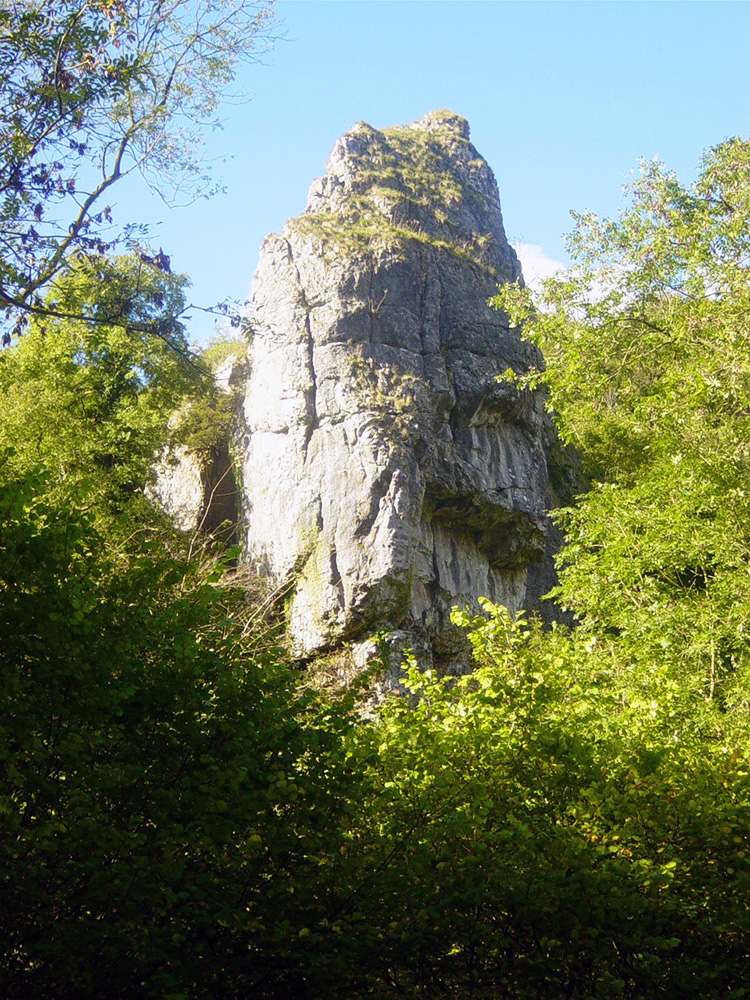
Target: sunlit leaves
648	369
93	400
92	91
548	823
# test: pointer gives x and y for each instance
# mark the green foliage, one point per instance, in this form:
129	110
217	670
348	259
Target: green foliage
181	816
93	90
165	791
203	424
648	369
180	820
222	347
539	828
92	400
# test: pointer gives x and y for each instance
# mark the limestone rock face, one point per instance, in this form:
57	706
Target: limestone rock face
199	489
180	488
386	474
199	492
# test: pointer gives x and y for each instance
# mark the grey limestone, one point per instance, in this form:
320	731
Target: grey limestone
386	475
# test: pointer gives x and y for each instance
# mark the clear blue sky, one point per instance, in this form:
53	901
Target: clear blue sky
562	98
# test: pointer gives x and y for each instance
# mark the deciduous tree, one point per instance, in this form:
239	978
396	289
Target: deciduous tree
90	389
91	90
648	368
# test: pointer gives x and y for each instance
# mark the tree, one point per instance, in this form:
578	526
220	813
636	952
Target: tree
90	389
648	369
537	828
166	787
91	90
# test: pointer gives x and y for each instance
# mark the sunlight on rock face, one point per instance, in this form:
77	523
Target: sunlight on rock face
387	475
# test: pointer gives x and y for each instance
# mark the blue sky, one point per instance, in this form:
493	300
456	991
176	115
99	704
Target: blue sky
563	98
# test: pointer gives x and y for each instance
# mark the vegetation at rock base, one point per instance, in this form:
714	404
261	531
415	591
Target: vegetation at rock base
183	815
162	783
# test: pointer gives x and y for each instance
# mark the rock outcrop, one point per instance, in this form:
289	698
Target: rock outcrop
199	491
195	483
387	475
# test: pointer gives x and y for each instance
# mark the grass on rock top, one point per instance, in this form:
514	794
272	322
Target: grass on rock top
412	174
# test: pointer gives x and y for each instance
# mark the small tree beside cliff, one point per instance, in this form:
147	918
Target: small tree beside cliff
90	397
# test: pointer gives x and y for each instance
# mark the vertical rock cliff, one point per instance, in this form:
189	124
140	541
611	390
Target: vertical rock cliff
386	474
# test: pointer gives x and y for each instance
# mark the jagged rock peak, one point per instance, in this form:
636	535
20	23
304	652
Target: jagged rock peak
387	475
420	181
443	120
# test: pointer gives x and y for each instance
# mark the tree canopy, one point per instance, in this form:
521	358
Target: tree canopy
91	90
92	401
648	370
